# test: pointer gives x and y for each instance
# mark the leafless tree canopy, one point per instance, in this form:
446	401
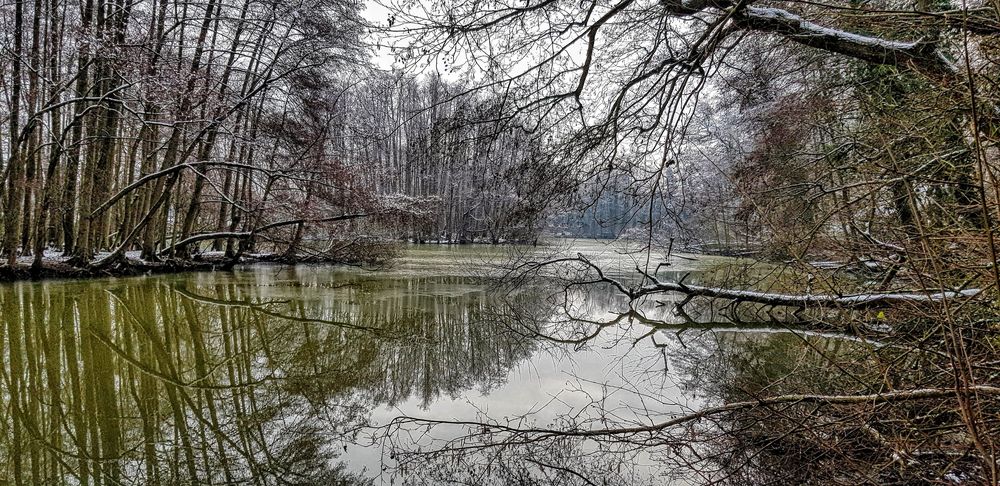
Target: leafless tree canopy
847	150
851	144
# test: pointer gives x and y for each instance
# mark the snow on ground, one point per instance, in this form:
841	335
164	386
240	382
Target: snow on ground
50	254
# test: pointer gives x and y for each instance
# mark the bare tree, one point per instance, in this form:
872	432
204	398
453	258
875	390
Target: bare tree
854	134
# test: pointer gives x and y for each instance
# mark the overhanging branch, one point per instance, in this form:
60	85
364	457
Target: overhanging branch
243	235
921	55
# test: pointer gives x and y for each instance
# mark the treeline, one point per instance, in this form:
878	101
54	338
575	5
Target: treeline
480	175
136	124
605	208
172	127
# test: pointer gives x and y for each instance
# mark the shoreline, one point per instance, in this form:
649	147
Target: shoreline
58	269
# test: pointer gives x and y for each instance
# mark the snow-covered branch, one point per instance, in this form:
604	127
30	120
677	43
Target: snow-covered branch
922	55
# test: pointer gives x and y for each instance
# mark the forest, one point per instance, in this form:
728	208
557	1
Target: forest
166	128
844	154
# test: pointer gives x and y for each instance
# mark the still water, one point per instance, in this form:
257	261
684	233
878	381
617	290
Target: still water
294	375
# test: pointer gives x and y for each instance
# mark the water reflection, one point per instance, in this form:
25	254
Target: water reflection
279	375
628	370
228	378
784	443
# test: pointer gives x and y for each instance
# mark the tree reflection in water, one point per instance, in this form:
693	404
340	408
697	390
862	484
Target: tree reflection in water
275	376
786	400
666	365
248	378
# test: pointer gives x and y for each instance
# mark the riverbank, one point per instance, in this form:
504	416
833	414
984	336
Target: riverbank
372	255
368	254
58	267
55	265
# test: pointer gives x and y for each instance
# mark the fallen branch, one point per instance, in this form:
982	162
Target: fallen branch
207	236
852	301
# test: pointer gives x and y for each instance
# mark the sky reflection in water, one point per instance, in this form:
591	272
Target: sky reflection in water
283	374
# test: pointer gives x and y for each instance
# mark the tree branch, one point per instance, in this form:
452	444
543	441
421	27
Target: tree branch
249	234
921	55
852	301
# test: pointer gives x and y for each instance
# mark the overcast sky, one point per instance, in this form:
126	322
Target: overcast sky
378	15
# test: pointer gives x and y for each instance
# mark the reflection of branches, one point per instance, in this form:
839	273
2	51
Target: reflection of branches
264	308
680	439
535	434
846	405
196	399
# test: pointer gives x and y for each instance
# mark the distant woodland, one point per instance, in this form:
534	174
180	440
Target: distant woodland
169	128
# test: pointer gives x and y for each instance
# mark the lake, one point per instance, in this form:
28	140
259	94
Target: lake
301	374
